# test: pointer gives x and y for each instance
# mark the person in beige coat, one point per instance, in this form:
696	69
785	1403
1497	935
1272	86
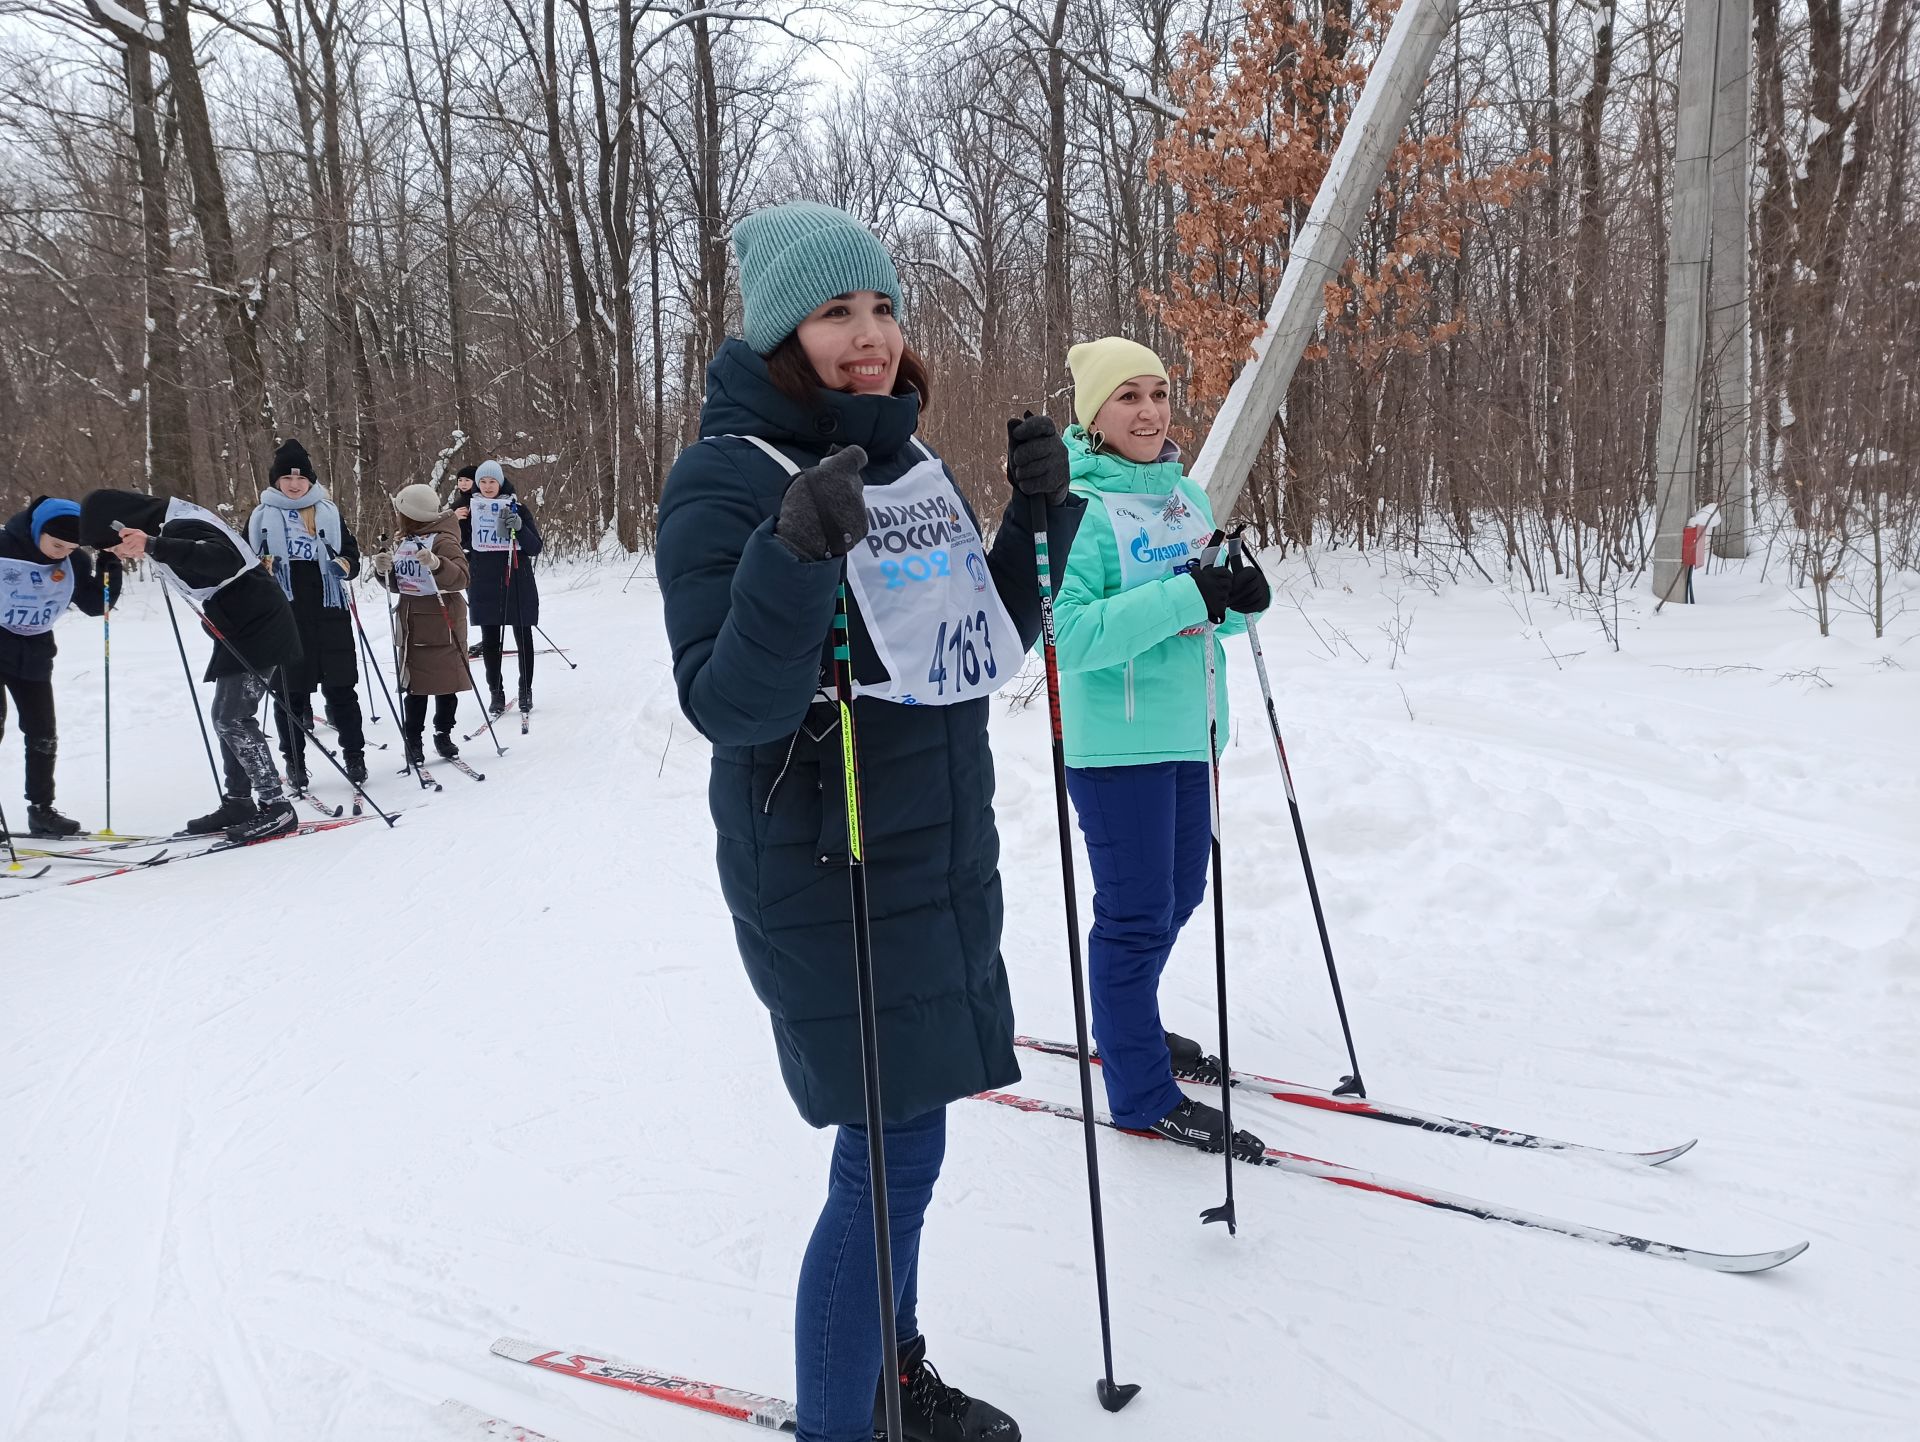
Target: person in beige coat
428	571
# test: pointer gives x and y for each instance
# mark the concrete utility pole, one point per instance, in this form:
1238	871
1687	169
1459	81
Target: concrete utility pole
1676	455
1321	247
1729	341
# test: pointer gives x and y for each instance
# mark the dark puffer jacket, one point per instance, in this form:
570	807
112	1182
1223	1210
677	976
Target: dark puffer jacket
30	658
748	624
502	589
251	613
329	650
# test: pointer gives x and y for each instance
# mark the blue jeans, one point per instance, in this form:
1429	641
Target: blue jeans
837	1352
1149	836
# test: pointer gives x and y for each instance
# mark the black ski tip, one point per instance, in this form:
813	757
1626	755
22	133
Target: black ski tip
1351	1086
1223	1213
1115	1395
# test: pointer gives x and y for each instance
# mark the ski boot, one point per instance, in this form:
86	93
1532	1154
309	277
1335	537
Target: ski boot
526	697
1190	1063
443	745
276	818
416	752
1195	1124
356	764
497	703
45	821
233	810
932	1411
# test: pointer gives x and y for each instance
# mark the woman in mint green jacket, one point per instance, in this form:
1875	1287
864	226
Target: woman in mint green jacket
1134	616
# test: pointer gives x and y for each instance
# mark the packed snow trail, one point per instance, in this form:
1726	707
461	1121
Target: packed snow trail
293	1134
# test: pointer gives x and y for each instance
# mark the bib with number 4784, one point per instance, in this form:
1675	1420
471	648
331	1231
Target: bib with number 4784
920	577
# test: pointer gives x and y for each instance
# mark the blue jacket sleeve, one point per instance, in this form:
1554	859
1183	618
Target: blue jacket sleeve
746	618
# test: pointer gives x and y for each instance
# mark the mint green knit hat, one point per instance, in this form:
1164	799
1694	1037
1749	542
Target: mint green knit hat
795	257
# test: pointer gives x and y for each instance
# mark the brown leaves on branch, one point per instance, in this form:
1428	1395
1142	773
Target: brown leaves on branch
1262	121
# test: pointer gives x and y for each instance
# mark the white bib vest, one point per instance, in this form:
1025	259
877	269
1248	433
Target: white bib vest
920	577
179	510
410	572
33	594
483	516
1156	535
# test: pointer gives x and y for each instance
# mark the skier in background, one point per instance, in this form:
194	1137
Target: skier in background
427	570
502	541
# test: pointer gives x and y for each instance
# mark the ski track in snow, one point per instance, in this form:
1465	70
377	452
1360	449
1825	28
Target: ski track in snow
292	1135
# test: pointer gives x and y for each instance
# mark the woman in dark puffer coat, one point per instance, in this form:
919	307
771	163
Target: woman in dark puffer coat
750	561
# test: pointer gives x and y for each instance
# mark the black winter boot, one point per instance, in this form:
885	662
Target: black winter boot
356	763
232	811
276	818
526	697
443	744
497	703
1190	1063
931	1411
416	751
45	821
1195	1124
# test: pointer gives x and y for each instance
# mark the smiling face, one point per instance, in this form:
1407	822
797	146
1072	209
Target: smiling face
1135	418
854	343
294	485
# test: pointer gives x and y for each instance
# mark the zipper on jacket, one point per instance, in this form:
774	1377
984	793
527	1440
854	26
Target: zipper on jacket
1129	692
785	766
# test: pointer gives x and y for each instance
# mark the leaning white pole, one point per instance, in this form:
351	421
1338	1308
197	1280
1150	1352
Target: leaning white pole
1676	455
1320	249
1728	336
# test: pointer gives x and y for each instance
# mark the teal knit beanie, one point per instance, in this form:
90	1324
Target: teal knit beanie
796	257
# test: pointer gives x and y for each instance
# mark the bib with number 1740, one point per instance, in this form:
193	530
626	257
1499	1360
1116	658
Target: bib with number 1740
928	600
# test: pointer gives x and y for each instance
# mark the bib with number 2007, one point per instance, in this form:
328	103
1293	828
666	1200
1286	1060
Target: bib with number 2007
921	580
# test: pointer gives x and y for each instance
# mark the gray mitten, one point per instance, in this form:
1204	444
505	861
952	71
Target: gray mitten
824	513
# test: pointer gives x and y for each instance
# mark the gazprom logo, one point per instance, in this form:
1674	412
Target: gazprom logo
1144	551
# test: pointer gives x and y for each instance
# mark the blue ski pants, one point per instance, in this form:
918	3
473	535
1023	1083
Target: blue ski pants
838	1356
1149	837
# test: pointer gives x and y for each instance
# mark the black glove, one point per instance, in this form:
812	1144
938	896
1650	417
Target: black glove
1250	594
824	513
107	567
1216	589
1037	458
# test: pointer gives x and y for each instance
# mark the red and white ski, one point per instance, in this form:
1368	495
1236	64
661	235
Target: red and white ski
772	1413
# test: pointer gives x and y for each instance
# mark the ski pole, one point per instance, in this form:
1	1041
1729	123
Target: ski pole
1225	1211
353	605
447	615
6	832
571	664
106	654
1350	1085
187	670
869	1013
366	647
418	772
1113	1395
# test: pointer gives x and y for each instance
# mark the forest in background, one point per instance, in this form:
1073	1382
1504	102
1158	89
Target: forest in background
418	233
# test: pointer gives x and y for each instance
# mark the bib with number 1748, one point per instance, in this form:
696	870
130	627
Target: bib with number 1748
921	580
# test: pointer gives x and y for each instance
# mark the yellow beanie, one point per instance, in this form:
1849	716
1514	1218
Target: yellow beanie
1101	367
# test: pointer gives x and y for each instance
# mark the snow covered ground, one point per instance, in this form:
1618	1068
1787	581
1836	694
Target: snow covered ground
291	1136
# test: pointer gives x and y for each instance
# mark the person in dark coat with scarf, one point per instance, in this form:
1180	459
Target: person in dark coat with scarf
808	430
42	572
208	562
501	542
300	537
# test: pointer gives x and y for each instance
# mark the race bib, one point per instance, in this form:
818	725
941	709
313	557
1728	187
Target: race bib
33	594
411	575
300	546
1156	535
921	580
485	518
179	510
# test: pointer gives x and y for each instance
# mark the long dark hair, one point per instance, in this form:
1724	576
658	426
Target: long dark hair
793	374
